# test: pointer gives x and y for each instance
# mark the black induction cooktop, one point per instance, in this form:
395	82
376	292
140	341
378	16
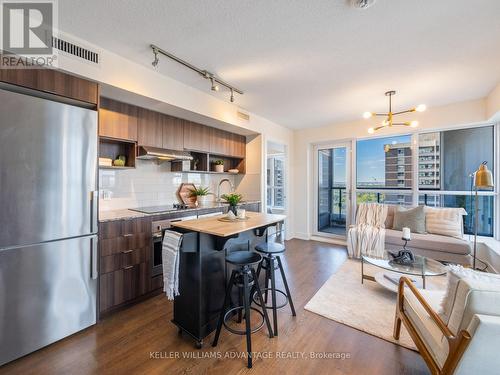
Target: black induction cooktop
160	209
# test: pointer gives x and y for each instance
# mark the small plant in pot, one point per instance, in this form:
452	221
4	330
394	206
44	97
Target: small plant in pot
201	194
219	166
233	199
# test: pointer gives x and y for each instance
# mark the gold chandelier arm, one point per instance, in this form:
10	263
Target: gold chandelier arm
407	111
380	114
402	123
380	127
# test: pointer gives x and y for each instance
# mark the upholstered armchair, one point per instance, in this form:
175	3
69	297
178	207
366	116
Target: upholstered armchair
464	337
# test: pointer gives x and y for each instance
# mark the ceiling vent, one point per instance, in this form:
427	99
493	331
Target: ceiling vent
362	4
243	116
75	50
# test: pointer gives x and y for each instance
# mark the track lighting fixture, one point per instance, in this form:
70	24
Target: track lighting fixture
156	60
215	82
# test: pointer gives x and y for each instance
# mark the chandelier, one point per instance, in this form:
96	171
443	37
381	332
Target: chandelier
389	116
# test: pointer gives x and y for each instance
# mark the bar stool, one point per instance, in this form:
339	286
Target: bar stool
244	277
270	263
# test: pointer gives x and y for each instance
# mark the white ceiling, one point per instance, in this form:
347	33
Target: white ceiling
308	63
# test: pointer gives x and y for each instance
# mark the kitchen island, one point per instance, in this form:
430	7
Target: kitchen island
203	272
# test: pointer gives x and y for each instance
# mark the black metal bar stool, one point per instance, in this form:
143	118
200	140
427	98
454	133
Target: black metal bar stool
270	263
245	278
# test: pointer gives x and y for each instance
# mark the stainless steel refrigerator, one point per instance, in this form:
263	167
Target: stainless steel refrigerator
48	221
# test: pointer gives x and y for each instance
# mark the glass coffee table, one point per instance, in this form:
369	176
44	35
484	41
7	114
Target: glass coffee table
422	267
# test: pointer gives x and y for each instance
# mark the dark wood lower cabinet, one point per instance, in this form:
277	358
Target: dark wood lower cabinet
124	285
125	268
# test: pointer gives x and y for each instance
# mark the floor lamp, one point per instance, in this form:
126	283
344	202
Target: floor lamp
483	179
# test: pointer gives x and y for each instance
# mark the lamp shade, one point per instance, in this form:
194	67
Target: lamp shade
483	177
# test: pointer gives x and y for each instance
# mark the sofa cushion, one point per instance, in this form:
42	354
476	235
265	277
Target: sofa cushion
428	241
445	221
413	218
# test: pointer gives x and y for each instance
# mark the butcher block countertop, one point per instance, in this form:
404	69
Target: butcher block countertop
211	225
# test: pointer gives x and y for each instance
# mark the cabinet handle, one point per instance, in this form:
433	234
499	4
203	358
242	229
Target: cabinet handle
128	235
127	251
128	267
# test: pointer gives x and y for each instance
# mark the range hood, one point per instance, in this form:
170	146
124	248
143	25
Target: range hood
151	153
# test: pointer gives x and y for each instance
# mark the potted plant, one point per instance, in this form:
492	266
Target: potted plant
219	166
201	194
233	199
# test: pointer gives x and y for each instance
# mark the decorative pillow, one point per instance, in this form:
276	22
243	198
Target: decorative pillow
413	218
445	221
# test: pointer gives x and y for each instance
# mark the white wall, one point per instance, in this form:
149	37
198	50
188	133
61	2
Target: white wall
493	103
434	118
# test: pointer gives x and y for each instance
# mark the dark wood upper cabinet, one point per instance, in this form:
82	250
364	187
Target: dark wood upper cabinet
173	133
220	142
238	146
227	144
196	137
54	82
117	120
150	128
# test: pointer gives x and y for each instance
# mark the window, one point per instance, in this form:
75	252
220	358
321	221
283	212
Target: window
441	163
275	182
384	163
446	162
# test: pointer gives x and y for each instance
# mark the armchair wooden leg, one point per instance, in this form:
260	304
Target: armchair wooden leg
397	327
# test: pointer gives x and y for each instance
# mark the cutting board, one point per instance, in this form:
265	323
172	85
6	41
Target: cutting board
184	193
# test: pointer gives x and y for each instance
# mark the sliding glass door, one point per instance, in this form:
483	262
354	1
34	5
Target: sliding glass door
332	189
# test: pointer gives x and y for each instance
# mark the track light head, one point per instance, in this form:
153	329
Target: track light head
214	86
232	96
156	60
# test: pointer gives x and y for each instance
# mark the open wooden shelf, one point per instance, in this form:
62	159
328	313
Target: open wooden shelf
206	162
113	167
112	148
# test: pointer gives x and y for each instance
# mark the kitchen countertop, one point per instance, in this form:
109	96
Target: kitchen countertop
211	225
129	214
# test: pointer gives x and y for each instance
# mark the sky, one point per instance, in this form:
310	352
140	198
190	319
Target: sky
370	163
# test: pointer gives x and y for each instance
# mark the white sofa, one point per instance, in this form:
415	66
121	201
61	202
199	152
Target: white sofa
434	246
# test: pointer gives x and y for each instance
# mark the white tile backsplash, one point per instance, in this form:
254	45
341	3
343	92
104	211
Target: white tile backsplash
150	184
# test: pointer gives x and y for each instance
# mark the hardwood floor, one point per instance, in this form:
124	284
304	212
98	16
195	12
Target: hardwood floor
123	342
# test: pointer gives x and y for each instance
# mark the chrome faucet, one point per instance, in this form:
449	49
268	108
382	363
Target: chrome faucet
218	187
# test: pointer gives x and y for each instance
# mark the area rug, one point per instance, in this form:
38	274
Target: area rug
367	307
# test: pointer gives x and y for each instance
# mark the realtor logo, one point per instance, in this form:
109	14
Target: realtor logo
27	29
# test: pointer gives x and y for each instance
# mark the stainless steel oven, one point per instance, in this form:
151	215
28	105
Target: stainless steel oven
158	228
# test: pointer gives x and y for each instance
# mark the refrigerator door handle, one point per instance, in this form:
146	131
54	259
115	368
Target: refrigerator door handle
93	258
94	198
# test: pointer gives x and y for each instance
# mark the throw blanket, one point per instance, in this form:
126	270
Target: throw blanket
367	237
170	259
